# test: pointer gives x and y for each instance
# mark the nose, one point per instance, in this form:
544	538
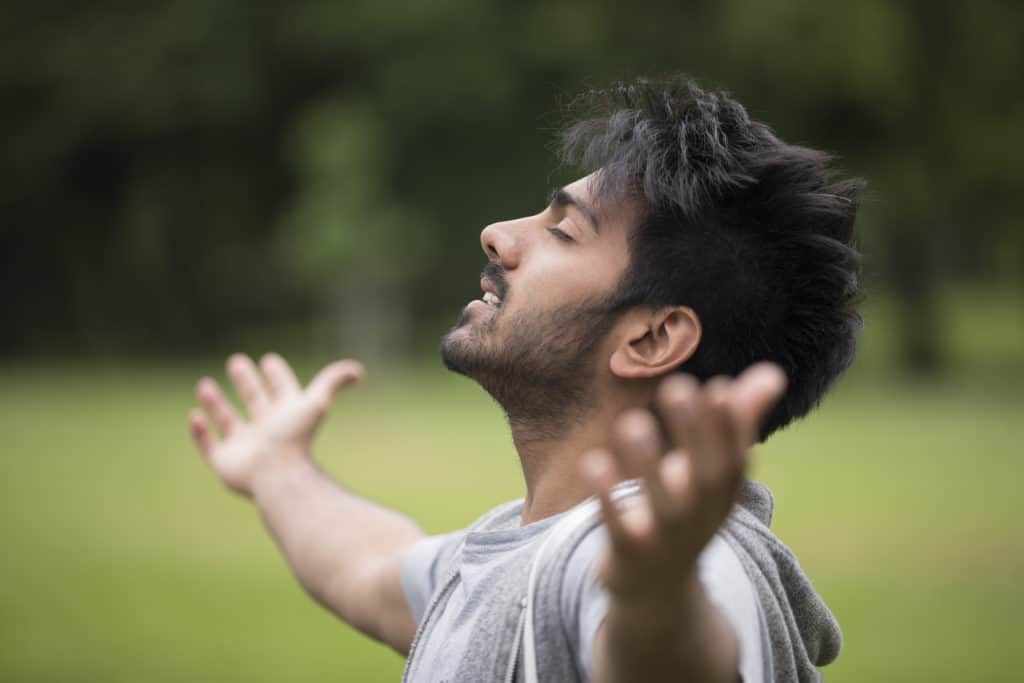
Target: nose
501	244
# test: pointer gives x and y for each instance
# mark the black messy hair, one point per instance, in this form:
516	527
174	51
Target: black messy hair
756	235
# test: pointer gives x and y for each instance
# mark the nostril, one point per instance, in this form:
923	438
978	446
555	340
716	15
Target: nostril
499	244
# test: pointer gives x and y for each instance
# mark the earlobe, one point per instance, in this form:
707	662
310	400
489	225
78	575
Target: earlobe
656	343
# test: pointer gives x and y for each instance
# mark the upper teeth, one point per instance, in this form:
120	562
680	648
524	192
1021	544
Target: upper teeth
492	299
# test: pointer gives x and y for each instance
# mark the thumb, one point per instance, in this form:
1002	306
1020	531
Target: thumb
332	378
756	391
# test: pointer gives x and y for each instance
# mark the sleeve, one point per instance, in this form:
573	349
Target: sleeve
585	603
424	567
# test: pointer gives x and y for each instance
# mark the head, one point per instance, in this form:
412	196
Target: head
534	340
717	245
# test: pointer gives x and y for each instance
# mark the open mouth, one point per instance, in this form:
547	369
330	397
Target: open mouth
491	289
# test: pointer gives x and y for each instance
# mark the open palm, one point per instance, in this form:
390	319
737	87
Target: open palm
691	476
283	418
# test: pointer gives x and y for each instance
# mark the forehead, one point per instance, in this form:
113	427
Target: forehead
584	188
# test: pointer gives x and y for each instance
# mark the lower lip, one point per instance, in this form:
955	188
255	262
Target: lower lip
478	304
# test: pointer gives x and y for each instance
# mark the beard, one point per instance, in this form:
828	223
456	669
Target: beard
540	370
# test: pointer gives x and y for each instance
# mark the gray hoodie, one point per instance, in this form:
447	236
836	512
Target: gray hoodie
801	631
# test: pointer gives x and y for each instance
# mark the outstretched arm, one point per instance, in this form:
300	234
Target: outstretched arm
660	625
346	551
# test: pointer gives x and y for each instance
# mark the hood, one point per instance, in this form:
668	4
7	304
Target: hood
803	632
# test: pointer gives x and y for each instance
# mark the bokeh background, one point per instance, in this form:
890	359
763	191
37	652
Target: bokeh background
186	178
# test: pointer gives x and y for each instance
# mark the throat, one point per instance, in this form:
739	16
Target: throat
551	468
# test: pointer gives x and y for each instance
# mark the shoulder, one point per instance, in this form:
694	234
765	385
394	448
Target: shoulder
729	587
430	559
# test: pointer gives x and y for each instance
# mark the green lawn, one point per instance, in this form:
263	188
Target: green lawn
124	560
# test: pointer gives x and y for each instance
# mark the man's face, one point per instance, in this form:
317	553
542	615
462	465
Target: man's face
533	339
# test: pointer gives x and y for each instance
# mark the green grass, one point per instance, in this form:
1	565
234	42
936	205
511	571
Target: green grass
124	560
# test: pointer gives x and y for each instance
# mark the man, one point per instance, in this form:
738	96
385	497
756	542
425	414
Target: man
689	296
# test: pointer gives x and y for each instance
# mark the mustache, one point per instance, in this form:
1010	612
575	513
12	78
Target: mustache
495	274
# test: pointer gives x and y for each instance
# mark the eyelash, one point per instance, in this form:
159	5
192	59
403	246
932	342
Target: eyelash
560	236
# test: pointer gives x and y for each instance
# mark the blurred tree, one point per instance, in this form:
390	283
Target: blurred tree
343	239
176	170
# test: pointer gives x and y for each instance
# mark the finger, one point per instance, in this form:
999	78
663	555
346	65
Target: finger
330	379
714	455
755	393
674	399
599	470
202	436
248	382
630	442
217	405
638	441
280	378
676	476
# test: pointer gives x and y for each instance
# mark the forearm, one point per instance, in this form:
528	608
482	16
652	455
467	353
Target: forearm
671	638
345	550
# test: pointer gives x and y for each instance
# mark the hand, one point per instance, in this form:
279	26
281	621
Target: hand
690	483
283	418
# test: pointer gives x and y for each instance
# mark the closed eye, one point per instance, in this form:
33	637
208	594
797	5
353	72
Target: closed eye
561	236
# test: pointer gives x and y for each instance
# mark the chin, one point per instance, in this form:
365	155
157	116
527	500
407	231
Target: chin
453	351
463	349
455	342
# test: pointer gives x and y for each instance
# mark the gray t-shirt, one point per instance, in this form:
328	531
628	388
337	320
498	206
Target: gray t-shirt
584	602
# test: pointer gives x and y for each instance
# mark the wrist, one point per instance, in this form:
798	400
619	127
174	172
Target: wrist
680	636
281	472
662	608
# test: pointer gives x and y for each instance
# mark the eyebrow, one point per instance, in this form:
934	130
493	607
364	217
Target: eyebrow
560	198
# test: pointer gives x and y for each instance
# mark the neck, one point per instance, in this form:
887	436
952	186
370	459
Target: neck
551	459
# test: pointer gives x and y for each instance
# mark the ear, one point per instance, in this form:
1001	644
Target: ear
656	342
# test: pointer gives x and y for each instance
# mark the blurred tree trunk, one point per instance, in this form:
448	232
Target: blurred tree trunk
911	270
369	317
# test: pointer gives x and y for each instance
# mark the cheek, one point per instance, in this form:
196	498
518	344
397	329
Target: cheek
598	275
561	276
554	289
